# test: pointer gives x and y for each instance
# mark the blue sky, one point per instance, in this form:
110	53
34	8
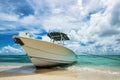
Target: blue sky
92	25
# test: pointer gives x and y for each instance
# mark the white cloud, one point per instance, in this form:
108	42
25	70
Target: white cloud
97	25
8	17
94	22
45	38
30	20
8	50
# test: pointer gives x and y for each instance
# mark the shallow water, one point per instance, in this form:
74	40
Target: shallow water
94	67
106	61
103	64
110	61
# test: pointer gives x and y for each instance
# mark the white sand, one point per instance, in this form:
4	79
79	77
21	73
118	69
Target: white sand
30	73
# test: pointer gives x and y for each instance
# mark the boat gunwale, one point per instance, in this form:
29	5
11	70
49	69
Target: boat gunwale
43	41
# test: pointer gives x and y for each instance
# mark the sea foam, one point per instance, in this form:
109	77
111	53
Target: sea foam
93	69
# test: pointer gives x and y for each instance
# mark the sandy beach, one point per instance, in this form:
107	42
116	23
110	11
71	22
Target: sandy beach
30	73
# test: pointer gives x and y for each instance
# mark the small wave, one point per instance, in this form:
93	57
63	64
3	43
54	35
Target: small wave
97	70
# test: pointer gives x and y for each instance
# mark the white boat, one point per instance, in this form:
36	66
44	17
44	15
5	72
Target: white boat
43	53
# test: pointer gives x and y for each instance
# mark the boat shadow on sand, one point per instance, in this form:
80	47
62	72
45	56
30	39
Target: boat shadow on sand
29	70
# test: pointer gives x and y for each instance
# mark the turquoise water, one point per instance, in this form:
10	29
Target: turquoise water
82	61
111	61
14	60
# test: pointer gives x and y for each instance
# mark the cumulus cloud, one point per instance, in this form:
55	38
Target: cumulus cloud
115	15
93	26
7	17
8	50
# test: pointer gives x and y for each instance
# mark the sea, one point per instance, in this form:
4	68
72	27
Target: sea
104	63
110	61
11	60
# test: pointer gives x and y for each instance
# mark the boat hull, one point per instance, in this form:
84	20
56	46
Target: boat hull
44	53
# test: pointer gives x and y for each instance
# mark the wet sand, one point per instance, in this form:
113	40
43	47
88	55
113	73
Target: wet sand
31	73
